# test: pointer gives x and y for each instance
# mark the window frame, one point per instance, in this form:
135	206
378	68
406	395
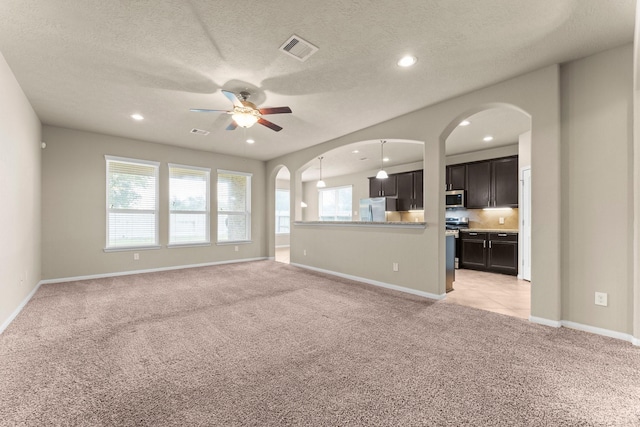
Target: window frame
247	212
207	212
335	189
155	211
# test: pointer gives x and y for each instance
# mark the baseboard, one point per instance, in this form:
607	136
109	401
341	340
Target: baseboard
585	328
599	331
18	309
151	270
373	282
545	322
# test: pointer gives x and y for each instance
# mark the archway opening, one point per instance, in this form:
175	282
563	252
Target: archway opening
488	161
282	216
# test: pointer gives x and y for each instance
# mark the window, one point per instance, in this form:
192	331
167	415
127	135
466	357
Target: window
335	204
234	206
188	205
282	211
132	203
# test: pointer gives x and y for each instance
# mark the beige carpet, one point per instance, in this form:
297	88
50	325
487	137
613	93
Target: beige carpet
268	344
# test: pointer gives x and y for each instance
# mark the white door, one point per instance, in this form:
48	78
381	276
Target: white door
525	232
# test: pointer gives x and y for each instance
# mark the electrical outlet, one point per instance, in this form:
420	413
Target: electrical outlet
601	299
136	256
395	266
501	221
235	248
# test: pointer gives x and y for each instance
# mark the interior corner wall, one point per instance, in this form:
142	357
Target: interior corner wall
20	186
74	206
597	188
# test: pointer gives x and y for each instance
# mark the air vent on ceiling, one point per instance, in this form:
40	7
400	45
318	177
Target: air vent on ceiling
298	48
199	131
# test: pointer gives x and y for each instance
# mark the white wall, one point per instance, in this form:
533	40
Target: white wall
74	211
20	191
597	247
491	153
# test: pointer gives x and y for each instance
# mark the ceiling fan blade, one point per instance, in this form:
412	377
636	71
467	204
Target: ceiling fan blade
270	125
275	110
204	110
232	97
232	125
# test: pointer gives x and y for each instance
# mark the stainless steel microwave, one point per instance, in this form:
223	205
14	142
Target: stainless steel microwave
454	199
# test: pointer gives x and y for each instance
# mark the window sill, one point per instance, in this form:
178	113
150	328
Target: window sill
133	248
187	245
236	242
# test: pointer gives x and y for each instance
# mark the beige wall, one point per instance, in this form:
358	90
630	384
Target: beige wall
491	153
597	186
20	189
73	204
339	250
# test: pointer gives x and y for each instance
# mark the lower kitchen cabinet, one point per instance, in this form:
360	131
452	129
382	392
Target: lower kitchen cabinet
495	252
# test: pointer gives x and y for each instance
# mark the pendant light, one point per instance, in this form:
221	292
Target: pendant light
381	173
321	183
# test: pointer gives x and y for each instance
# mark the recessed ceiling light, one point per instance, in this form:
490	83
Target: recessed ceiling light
407	61
465	123
386	159
137	117
487	138
250	141
355	151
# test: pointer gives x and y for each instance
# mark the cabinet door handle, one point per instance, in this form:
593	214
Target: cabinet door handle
489	244
473	234
502	234
489	203
484	244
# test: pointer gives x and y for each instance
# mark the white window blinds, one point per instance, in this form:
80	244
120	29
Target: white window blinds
234	206
188	205
132	203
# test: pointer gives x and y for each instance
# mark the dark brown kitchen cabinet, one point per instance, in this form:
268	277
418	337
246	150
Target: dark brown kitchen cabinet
383	187
505	182
495	252
410	190
474	250
456	177
492	183
478	185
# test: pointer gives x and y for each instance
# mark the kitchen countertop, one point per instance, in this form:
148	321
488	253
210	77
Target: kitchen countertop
390	224
491	230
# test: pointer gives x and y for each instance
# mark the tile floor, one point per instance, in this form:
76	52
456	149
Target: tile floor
499	293
282	255
487	291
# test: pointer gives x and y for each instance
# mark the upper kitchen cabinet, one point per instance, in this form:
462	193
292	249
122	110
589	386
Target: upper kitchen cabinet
456	177
492	183
383	187
410	190
478	185
505	182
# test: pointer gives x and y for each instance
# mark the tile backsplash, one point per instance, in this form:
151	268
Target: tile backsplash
480	218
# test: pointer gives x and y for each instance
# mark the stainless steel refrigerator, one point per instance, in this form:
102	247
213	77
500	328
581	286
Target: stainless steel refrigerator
373	209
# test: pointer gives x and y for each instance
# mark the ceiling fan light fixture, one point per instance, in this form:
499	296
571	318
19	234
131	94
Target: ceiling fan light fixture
245	119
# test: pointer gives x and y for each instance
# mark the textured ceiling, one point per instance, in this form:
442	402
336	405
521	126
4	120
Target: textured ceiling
90	64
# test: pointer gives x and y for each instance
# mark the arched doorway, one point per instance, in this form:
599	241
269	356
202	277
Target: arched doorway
483	140
282	204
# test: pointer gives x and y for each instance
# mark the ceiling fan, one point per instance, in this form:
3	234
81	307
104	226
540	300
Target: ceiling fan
245	114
